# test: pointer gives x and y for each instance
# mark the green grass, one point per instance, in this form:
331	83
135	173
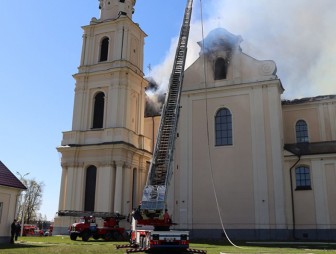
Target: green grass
63	245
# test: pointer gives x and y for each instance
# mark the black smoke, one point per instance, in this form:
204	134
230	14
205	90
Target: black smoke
154	99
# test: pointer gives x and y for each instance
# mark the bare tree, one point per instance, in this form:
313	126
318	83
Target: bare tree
32	200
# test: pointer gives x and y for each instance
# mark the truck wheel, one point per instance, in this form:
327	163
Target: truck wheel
108	236
117	236
73	236
85	235
95	236
125	236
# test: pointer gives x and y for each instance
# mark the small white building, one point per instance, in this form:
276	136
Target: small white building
10	190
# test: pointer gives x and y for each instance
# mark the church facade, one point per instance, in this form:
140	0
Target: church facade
245	161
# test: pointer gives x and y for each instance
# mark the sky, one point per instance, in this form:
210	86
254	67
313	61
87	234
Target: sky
40	47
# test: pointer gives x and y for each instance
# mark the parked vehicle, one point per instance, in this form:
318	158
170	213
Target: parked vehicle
38	232
87	226
48	232
28	230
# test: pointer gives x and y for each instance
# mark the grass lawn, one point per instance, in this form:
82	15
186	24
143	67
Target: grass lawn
63	245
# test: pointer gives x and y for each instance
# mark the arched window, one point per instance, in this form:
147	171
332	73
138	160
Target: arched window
301	129
221	67
302	176
223	127
98	111
104	47
90	188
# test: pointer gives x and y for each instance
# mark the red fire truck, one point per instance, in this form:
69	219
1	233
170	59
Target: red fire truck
87	226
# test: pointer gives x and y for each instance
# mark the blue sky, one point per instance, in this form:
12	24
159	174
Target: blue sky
40	50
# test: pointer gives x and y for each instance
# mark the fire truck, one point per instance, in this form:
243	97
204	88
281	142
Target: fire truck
87	226
150	226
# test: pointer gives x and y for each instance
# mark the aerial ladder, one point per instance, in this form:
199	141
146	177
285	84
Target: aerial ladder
150	229
160	171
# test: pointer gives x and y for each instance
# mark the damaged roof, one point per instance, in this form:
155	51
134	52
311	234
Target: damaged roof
299	149
309	99
7	178
220	38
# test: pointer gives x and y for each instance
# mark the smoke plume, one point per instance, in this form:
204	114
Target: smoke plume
154	99
297	34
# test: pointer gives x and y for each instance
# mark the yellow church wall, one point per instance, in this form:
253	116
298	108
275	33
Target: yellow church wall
330	168
320	119
232	174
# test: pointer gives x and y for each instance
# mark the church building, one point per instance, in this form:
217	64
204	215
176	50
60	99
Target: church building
245	161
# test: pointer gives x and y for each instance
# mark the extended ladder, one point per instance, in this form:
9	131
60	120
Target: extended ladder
160	171
74	213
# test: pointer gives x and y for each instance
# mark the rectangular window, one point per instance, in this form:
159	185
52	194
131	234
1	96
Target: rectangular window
302	175
1	205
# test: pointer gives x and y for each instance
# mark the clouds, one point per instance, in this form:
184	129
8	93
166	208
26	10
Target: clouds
297	34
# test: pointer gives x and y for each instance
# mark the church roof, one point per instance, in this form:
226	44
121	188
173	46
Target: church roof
299	149
9	179
220	38
309	99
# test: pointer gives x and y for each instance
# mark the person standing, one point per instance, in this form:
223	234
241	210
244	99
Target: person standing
166	217
17	230
13	231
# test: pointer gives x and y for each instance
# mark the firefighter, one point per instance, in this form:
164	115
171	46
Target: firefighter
166	217
137	214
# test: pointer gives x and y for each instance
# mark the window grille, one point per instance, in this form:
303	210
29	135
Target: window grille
302	176
301	129
223	127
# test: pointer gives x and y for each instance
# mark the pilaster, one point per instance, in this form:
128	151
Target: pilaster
320	190
118	196
127	190
261	201
104	188
69	188
62	197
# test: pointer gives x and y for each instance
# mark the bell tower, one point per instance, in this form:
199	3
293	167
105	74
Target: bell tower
112	63
105	155
111	9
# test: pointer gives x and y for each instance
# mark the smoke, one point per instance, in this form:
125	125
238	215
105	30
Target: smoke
297	34
154	98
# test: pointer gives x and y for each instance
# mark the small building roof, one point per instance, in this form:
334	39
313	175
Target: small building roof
7	178
299	149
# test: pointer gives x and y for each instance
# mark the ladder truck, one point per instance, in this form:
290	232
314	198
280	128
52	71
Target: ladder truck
87	226
150	228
